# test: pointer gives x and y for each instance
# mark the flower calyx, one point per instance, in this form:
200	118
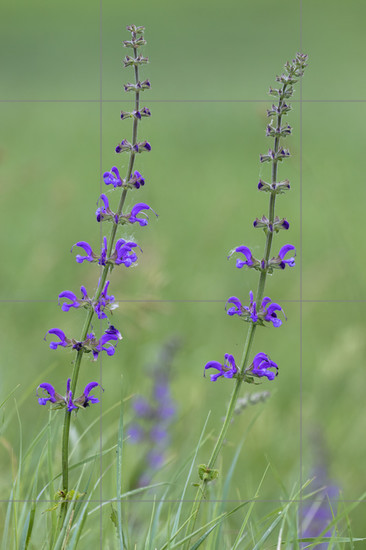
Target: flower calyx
276	226
275	188
139	147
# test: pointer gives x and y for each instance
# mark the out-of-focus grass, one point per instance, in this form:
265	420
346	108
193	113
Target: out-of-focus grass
201	178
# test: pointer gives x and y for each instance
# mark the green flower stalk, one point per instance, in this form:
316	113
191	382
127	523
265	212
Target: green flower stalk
113	253
261	310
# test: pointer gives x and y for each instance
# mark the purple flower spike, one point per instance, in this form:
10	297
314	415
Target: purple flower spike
282	253
64	342
90	256
136	210
262	366
112	177
228	369
69	296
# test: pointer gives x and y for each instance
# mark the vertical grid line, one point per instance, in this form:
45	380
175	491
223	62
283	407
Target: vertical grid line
100	188
301	280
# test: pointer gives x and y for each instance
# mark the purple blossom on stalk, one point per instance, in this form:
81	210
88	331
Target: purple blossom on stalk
279	262
90	344
64	341
266	312
123	253
139	207
111	334
104	302
250	260
90	256
228	369
104	212
112	177
137	180
55	398
262	366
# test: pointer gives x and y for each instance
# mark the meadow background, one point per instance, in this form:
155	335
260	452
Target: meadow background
211	64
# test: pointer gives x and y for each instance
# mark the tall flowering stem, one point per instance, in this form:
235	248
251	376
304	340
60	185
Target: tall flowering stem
112	254
260	311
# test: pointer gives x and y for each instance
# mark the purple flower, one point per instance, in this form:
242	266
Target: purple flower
250	260
104	212
137	180
228	369
111	334
53	397
85	399
262	366
103	254
64	341
69	402
123	146
104	302
82	401
90	256
282	253
268	311
237	308
75	302
279	262
123	253
136	210
112	177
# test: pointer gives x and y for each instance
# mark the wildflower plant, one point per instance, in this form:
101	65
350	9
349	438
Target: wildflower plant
114	252
260	310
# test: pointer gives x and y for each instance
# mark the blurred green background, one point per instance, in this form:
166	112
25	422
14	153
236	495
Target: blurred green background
211	65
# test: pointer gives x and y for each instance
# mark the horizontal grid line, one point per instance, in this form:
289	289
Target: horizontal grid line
178	101
189	301
152	500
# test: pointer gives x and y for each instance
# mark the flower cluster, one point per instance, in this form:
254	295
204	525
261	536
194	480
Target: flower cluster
60	401
114	252
262	310
266	312
100	306
90	344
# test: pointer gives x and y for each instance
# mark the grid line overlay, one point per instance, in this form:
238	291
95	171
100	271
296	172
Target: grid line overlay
101	101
